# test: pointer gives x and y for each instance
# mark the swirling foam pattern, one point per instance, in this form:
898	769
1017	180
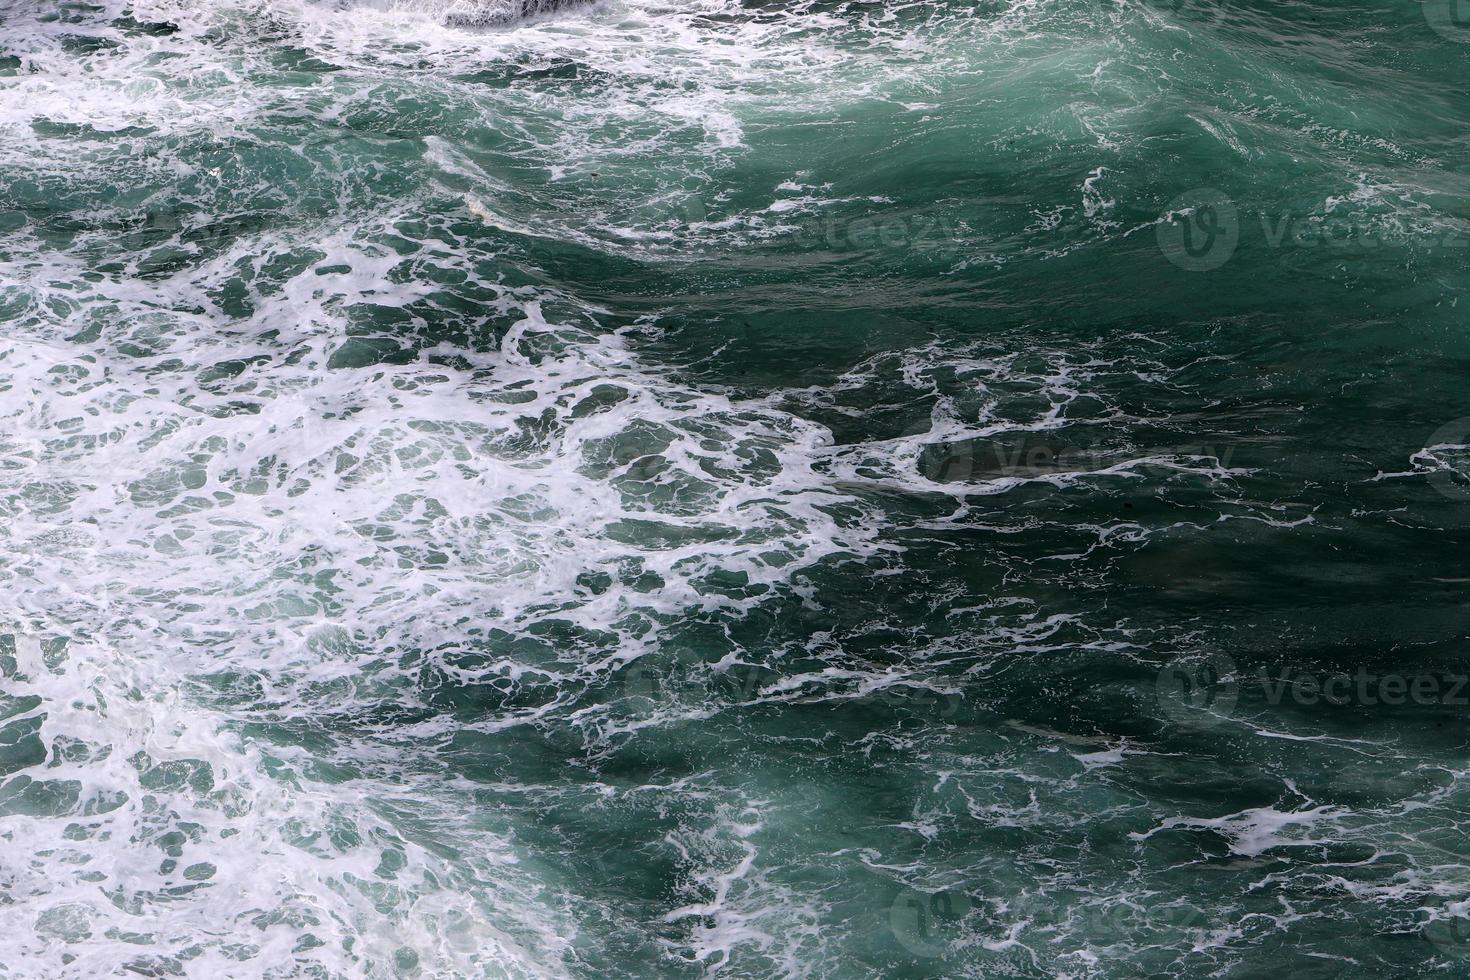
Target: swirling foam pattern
649	489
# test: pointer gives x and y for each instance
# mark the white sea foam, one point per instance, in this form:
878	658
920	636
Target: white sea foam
410	511
210	530
261	525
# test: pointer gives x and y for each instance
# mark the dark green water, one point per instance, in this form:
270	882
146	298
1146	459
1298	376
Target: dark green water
827	489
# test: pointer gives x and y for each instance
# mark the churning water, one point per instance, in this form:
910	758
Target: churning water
829	488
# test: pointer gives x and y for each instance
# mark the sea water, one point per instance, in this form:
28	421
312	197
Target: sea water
827	488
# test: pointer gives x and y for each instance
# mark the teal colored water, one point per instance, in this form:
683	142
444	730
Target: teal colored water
831	489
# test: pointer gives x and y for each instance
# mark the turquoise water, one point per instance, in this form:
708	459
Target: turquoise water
786	489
